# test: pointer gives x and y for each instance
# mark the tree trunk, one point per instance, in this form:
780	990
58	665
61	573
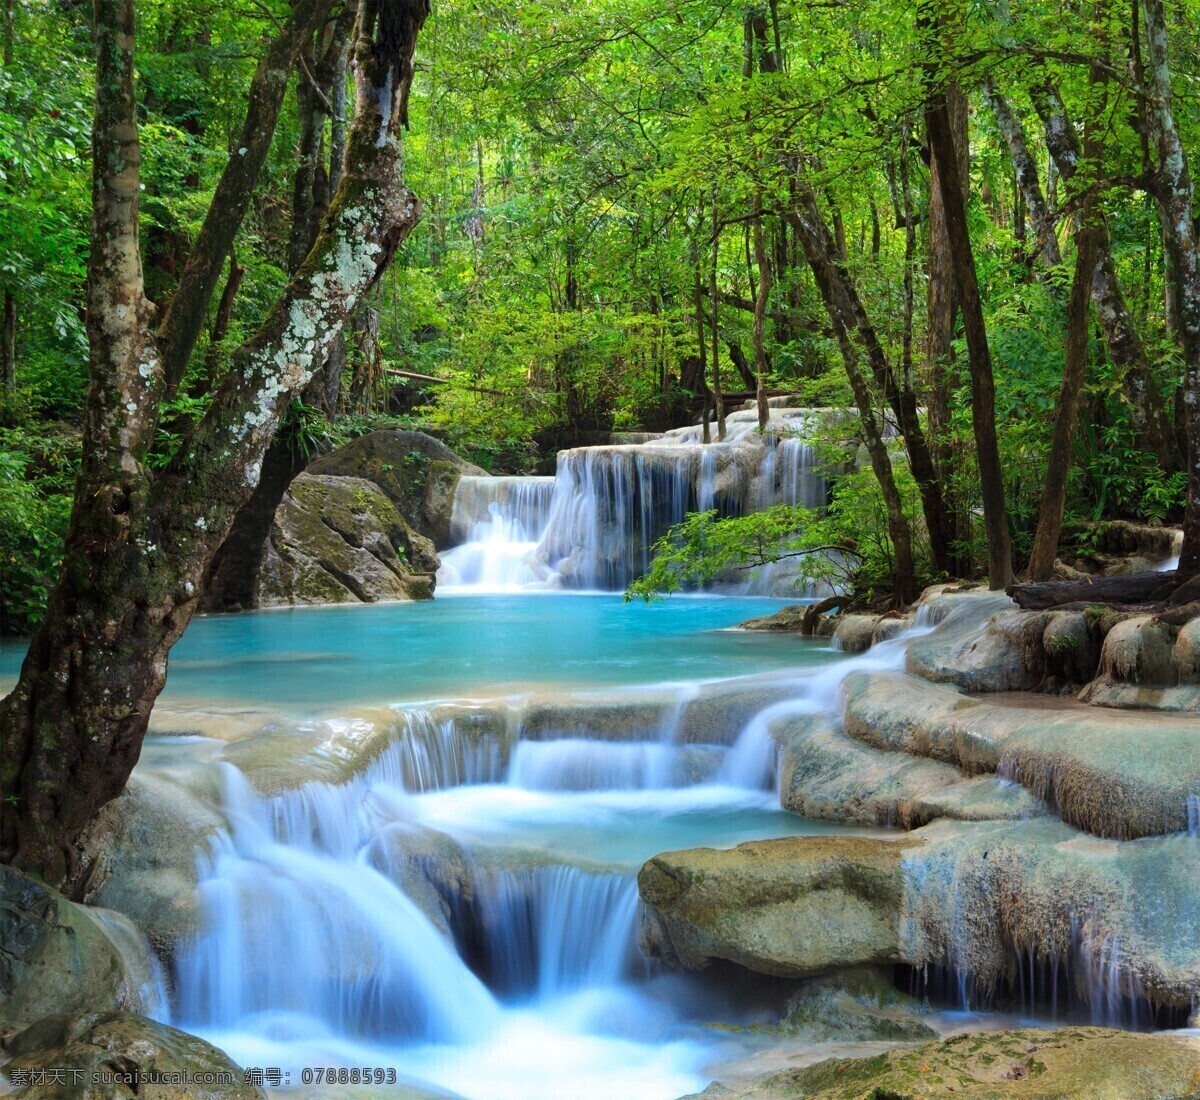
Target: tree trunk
940	129
714	304
1054	495
71	730
1027	175
820	249
183	319
1148	417
941	311
1173	190
851	314
760	314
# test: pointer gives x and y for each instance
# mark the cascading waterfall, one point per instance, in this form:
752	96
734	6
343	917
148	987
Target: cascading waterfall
593	526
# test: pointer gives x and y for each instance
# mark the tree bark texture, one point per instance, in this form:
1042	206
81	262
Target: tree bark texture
1173	190
820	249
940	129
1148	416
139	542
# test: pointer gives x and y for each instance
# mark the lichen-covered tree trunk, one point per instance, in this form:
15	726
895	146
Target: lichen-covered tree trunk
71	731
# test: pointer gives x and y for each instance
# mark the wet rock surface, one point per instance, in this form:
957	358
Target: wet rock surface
1067	1064
115	1055
57	956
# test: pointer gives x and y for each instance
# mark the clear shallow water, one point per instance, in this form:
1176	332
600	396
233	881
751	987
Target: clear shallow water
321	658
513	973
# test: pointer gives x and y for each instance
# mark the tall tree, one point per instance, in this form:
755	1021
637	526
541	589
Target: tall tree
71	731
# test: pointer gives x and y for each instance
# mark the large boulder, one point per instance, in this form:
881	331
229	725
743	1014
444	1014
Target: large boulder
979	899
142	849
117	1055
416	472
341	540
792	908
1078	1063
57	956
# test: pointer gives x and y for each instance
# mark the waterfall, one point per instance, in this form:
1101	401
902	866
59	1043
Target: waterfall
593	526
753	760
575	764
498	523
292	930
551	930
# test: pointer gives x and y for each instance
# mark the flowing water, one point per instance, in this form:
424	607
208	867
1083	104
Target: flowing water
593	525
465	913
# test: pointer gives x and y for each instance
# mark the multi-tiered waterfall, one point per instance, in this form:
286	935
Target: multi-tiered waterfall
592	526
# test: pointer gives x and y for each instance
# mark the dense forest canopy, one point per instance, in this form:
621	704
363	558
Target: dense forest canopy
973	225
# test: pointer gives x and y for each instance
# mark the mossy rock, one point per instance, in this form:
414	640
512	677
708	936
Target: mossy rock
341	540
118	1055
855	1006
56	956
416	472
1080	1063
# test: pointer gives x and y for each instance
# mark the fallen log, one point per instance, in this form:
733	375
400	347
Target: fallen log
1132	588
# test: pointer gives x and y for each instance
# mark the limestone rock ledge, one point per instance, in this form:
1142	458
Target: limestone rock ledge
1078	1063
971	897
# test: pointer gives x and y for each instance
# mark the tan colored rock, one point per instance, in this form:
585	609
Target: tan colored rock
827	776
1115	773
853	633
978	898
1078	1063
793	908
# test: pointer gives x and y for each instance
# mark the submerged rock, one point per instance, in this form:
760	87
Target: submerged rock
114	1055
1077	1063
855	1006
341	540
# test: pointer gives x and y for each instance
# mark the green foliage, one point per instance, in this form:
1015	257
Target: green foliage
845	547
35	505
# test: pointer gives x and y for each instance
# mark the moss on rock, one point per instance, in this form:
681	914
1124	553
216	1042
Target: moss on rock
1079	1063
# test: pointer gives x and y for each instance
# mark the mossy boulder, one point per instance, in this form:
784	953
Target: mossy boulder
1077	1063
341	540
118	1055
58	956
855	1006
416	472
